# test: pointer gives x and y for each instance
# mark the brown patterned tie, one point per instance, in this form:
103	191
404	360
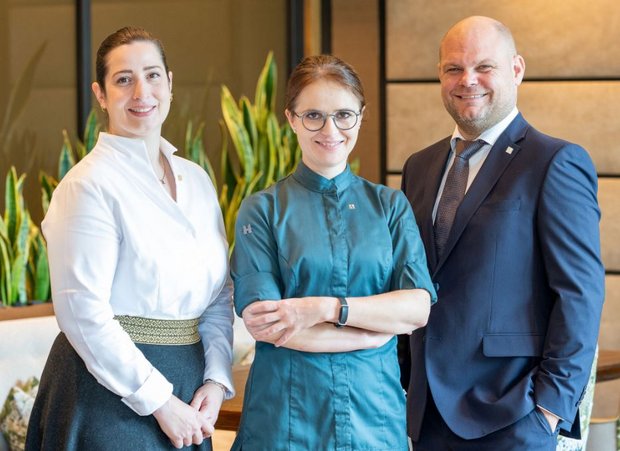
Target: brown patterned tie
453	191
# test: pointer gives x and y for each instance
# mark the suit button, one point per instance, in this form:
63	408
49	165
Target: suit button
436	286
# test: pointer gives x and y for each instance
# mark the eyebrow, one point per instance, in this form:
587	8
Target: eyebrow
127	71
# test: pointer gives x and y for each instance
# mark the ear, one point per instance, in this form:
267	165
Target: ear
291	117
170	80
518	67
99	95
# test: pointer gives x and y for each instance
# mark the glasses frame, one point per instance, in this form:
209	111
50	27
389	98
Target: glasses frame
303	115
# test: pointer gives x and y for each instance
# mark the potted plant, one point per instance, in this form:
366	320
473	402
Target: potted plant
24	271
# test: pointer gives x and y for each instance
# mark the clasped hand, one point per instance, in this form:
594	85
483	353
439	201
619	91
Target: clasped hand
277	322
187	424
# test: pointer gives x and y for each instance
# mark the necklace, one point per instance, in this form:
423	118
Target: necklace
162	180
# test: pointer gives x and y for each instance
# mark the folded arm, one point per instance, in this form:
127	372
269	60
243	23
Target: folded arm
371	318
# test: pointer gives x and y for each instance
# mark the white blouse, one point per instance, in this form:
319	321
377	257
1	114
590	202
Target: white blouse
120	245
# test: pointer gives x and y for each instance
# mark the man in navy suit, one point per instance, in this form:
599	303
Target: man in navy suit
505	357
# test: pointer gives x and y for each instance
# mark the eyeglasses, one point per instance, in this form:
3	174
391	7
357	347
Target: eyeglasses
313	120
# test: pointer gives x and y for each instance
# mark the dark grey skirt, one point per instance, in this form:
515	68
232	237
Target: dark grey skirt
74	412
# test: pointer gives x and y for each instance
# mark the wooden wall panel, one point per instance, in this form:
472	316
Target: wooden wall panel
581	112
609	200
609	336
355	38
416	119
579	37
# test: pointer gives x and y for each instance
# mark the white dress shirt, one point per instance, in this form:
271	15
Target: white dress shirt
476	161
120	245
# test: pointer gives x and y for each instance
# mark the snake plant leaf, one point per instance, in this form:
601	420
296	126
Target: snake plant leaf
273	140
207	166
199	154
5	266
189	133
265	98
19	264
233	208
238	134
251	187
91	131
229	176
249	122
18	96
18	281
13	203
48	185
3	230
223	200
66	160
21	245
41	290
80	150
263	159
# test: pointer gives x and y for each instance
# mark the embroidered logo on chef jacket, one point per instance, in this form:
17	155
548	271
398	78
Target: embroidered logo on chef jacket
247	229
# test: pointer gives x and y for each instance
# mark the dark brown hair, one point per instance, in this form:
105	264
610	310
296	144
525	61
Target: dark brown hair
322	67
124	36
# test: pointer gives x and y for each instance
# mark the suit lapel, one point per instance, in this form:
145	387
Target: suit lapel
495	164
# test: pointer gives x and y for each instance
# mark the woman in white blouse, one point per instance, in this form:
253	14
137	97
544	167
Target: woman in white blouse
138	261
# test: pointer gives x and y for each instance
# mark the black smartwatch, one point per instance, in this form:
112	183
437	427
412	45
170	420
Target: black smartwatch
344	313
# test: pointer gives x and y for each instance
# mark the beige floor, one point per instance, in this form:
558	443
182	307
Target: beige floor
222	440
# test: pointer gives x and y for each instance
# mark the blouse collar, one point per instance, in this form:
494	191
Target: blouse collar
134	147
316	182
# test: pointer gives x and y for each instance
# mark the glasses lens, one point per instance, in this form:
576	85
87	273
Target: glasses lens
345	119
313	120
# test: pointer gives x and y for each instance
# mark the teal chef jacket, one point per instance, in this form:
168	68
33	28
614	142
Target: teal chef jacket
310	236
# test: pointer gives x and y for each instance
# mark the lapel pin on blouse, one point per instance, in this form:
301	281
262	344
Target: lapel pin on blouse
509	150
351	206
247	229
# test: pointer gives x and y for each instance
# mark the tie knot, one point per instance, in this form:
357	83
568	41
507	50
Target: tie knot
465	149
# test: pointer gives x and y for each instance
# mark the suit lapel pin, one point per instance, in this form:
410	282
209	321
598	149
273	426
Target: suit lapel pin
509	150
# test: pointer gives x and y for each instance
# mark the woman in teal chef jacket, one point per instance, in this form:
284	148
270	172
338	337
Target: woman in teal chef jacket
323	248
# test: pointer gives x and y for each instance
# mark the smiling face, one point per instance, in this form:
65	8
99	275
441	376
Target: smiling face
479	72
137	90
325	151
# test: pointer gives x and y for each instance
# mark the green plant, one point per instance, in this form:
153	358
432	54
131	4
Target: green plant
263	152
69	155
24	271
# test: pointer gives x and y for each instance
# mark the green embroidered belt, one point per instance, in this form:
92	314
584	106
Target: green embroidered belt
160	331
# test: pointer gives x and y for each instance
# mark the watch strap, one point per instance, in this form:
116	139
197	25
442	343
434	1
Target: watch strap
344	312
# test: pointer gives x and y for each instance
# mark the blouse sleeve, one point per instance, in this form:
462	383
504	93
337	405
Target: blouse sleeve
410	267
254	265
216	322
83	245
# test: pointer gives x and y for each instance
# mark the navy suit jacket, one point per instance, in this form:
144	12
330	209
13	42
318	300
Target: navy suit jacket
520	285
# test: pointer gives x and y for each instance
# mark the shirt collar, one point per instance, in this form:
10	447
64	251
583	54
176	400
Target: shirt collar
134	147
316	182
492	134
